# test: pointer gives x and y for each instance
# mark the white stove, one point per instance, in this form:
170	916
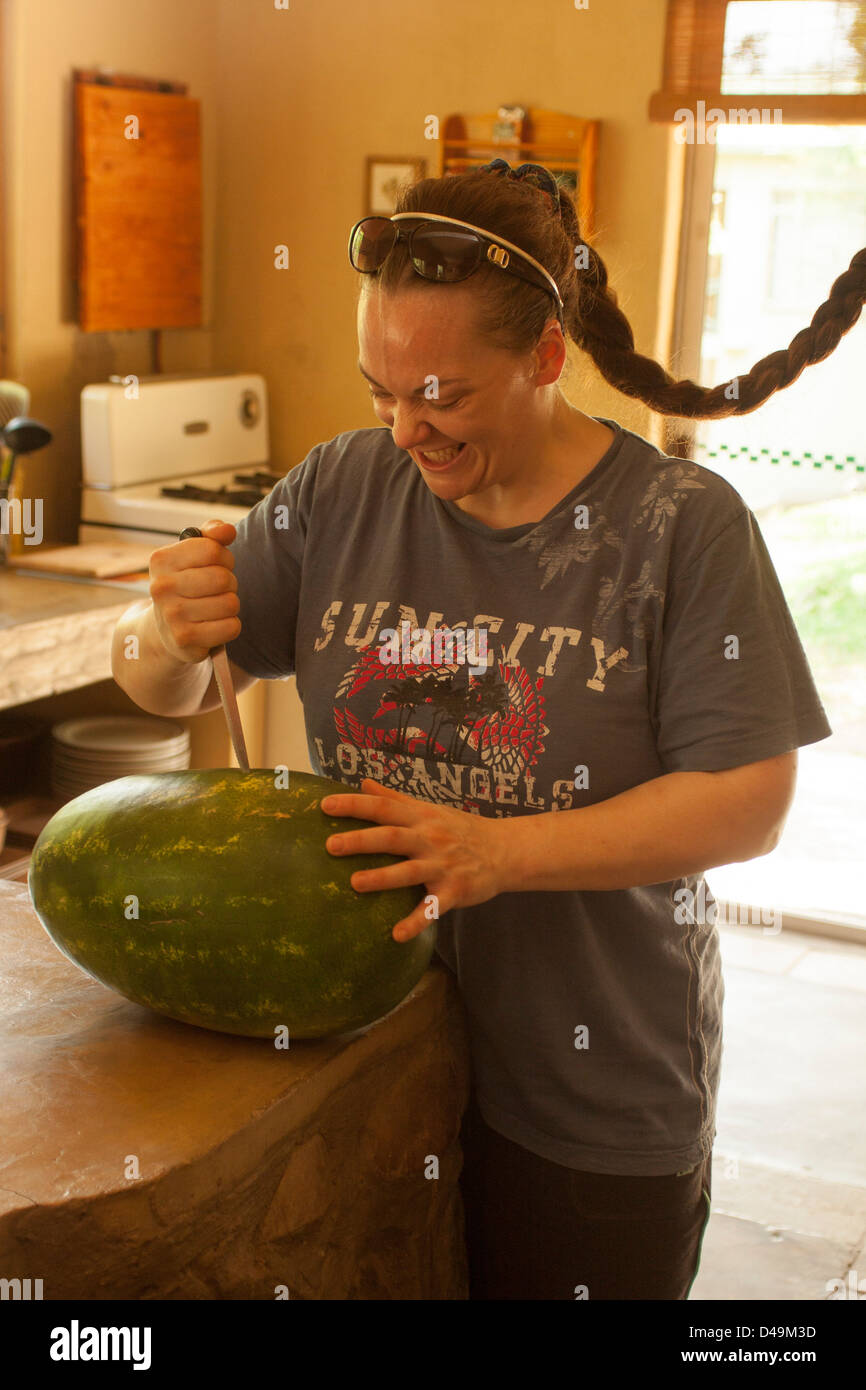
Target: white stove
164	452
203	431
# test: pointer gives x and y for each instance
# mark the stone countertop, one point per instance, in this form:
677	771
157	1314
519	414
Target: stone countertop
55	634
145	1158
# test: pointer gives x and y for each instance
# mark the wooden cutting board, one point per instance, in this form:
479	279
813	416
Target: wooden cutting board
138	205
99	559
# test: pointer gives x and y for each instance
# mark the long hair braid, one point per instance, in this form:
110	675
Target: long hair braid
514	313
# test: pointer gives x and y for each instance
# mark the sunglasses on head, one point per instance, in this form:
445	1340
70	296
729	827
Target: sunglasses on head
444	249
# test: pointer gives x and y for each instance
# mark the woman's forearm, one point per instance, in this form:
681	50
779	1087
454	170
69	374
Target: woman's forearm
154	679
675	825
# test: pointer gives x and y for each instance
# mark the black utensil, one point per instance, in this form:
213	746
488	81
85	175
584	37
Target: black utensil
21	436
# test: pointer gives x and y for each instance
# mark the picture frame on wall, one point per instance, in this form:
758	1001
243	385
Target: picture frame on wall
386	174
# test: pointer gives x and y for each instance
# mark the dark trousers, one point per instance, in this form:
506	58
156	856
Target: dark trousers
538	1230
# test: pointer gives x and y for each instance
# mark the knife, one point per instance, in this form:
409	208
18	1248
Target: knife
225	686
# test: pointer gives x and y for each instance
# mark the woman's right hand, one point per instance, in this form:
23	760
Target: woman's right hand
194	592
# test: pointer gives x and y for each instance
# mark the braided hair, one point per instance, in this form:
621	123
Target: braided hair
528	207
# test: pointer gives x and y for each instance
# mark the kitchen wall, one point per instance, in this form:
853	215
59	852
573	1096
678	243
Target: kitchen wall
292	102
307	93
43	40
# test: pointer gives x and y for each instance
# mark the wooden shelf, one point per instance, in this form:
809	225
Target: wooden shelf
564	144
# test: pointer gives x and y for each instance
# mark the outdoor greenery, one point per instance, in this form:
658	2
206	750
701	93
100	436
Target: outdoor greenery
819	551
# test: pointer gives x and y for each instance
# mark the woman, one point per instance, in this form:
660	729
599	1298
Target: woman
637	723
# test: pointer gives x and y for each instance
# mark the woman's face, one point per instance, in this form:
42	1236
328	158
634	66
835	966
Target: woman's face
465	410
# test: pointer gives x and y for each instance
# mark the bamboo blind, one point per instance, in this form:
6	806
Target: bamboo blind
693	70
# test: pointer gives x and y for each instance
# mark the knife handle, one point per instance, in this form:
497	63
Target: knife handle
186	534
222	673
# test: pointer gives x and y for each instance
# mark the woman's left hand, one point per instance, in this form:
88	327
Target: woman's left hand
455	854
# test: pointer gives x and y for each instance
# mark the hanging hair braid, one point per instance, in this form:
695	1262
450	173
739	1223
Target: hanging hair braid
514	313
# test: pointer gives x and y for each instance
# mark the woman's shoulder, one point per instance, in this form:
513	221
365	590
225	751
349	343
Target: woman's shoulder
355	451
352	469
674	510
687	491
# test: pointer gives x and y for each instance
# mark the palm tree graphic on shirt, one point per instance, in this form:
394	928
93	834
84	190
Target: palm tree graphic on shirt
495	720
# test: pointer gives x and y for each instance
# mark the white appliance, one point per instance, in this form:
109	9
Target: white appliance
189	433
164	452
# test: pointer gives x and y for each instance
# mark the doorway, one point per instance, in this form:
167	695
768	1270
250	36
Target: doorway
787	211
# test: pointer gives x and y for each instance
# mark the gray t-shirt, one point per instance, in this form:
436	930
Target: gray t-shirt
595	1017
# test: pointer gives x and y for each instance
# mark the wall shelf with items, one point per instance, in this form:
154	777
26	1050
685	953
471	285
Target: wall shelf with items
564	144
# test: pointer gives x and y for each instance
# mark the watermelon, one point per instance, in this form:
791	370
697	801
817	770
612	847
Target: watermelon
209	896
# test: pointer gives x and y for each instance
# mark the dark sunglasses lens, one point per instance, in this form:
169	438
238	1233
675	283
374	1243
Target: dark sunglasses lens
445	253
371	243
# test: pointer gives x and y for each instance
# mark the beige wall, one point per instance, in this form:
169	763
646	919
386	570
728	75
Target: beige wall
43	40
292	102
326	83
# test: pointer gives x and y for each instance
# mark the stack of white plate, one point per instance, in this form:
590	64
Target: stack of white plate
87	752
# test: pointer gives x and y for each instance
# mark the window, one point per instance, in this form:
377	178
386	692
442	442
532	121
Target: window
808	55
804	46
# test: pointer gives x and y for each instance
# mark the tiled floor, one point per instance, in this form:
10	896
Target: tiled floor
789	1168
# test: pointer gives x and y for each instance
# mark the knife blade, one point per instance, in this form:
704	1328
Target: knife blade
225	686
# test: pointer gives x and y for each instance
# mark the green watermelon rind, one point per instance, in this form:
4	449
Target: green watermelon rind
232	960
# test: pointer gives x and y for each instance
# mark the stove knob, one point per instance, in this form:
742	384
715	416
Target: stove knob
251	409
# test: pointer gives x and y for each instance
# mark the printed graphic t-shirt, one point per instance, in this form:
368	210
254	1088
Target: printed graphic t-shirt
637	629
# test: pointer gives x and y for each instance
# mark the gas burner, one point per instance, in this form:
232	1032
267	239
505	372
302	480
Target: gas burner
227	496
261	479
